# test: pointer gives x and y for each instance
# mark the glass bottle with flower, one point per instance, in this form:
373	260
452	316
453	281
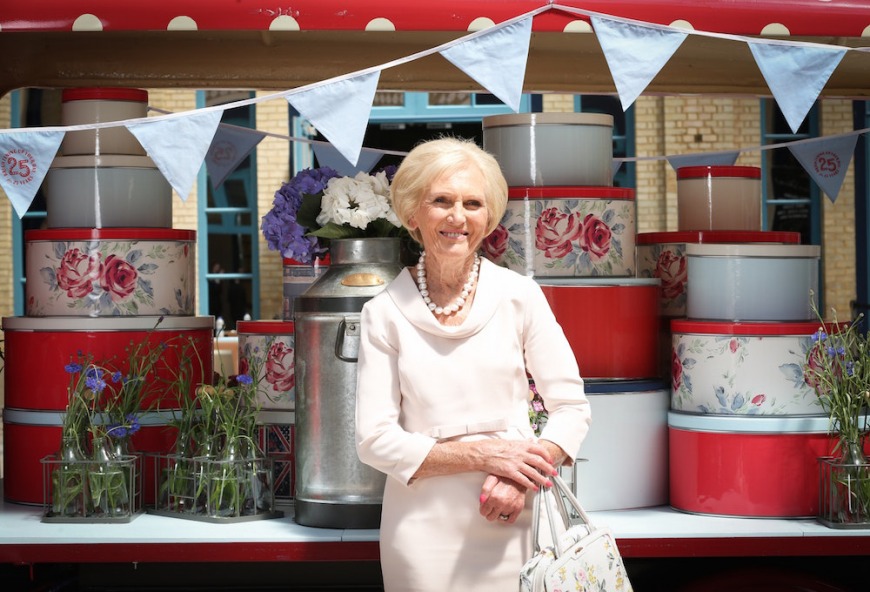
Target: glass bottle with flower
838	369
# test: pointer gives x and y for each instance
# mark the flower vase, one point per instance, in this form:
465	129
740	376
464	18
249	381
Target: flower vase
69	498
224	483
844	487
107	482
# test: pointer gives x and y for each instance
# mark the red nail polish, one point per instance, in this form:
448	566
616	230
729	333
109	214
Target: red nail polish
483	498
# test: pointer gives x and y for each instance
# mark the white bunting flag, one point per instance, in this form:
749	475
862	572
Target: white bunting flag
795	74
178	145
24	161
634	54
340	111
712	159
496	60
230	146
615	166
328	156
826	161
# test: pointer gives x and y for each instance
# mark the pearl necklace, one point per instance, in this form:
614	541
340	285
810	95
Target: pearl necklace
457	304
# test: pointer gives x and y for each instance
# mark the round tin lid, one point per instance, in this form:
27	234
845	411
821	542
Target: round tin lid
802	328
699	172
265	327
116	234
104	94
597	282
570	192
91	161
600	387
771	251
718	236
320	261
93	324
530	119
756	424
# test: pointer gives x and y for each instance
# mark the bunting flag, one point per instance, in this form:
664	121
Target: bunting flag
826	161
340	111
634	54
711	159
795	74
328	156
178	145
230	146
25	158
496	60
614	166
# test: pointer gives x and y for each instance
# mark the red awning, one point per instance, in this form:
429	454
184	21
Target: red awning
841	18
275	46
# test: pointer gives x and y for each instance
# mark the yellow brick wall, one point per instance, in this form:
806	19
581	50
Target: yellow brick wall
273	169
6	284
838	221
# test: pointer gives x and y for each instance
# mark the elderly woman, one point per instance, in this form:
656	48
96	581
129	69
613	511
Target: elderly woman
443	386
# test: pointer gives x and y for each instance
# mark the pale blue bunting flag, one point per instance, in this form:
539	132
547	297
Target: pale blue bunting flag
826	161
340	111
795	74
328	156
230	146
712	159
634	54
496	60
178	145
26	158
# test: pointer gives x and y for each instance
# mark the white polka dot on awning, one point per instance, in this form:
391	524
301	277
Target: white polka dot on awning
380	24
182	23
284	23
87	22
481	23
775	29
577	26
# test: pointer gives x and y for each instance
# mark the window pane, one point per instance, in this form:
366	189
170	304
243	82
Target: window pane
449	98
389	99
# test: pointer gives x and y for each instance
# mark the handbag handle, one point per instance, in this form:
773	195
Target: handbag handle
554	503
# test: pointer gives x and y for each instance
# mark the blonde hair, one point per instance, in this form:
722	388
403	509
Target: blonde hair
430	160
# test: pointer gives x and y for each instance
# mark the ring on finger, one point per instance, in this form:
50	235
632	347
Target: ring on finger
504	517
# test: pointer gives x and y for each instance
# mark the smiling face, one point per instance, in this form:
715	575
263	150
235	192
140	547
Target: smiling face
452	217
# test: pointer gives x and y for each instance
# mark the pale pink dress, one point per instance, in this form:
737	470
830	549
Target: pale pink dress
420	381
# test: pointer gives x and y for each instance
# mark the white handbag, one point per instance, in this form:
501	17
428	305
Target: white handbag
584	557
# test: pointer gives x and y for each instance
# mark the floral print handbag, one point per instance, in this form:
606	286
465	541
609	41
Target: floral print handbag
584	558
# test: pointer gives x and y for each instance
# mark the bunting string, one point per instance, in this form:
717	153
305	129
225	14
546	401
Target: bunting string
495	57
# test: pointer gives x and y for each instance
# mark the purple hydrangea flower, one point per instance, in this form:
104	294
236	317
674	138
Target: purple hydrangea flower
279	226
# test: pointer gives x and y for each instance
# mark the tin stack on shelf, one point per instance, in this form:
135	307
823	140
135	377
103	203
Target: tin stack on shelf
570	229
271	347
745	430
98	279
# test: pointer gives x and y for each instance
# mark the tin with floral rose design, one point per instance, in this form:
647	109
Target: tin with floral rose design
747	369
272	345
94	272
566	232
663	255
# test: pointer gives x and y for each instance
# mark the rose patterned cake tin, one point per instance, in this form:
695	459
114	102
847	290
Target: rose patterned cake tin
269	348
612	324
623	461
663	255
107	191
753	467
751	282
748	369
547	149
719	198
94	272
566	232
81	106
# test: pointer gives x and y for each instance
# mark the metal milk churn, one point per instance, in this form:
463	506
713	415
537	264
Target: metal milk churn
334	489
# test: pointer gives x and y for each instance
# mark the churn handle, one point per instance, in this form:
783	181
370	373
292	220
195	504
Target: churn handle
347	326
